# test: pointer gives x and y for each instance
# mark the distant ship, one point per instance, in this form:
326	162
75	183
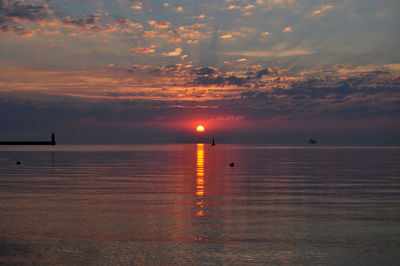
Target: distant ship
213	142
52	142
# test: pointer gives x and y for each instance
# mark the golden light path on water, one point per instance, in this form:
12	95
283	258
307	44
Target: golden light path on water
200	179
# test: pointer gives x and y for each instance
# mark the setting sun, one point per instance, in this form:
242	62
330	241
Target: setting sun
199	128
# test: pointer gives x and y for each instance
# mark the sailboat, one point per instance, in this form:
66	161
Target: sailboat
213	142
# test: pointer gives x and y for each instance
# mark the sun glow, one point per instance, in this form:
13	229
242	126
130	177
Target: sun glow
200	128
200	183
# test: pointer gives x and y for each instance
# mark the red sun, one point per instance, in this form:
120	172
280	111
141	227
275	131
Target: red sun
200	128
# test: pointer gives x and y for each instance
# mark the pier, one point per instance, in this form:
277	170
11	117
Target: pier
51	142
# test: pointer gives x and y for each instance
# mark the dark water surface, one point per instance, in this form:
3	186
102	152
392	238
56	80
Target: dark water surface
184	204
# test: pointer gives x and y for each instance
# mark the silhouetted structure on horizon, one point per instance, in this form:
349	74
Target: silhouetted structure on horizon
312	141
52	142
213	142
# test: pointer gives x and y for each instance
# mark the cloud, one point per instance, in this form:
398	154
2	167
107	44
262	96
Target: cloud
323	9
179	9
249	7
205	71
274	52
50	32
176	52
266	72
141	50
128	23
175	40
137	6
288	29
209	76
16	11
231	7
82	22
220	80
149	33
159	25
393	67
226	36
162	25
13	14
162	91
151	22
241	60
88	23
27	34
279	3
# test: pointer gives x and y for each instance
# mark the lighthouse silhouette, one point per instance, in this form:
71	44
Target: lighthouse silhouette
53	139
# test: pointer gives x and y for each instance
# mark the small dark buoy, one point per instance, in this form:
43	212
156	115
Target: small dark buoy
18	162
312	141
232	165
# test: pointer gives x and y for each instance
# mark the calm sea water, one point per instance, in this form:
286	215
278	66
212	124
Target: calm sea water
184	204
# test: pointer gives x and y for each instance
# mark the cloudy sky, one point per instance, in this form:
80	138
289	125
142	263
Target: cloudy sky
269	71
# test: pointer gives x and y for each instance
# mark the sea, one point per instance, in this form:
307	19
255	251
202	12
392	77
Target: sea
197	204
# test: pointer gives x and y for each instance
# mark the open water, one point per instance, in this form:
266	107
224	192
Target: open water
184	204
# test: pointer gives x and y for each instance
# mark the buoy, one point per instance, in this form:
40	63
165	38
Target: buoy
18	162
232	165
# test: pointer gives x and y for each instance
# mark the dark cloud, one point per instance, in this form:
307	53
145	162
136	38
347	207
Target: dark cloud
14	13
209	80
89	20
221	80
204	71
264	72
210	76
11	10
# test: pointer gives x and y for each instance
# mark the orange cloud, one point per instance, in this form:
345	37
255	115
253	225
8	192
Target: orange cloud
137	6
141	50
175	40
323	9
231	7
288	29
226	36
249	7
26	34
162	25
192	41
149	33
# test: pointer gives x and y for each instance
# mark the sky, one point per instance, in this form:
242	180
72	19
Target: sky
251	71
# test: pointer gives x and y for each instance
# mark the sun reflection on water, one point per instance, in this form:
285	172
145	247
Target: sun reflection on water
200	179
